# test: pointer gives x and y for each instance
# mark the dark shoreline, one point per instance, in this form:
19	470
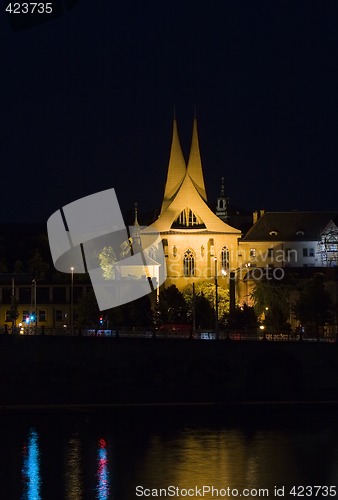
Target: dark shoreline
58	372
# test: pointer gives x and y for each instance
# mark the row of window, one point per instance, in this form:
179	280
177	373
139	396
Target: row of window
57	295
307	252
189	258
59	316
189	261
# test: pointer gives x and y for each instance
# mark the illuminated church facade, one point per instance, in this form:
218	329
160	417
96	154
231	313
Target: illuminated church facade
197	244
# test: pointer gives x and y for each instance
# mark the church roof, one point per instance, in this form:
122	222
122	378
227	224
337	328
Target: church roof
185	189
194	168
289	226
176	169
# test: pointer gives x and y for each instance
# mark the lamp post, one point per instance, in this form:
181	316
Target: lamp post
193	310
216	299
13	308
72	302
35	306
191	292
232	291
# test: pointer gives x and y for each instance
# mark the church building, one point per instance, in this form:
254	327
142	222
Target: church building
198	245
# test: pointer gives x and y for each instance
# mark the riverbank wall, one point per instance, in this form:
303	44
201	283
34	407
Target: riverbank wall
108	371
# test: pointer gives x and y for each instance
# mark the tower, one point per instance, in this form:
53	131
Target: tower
222	207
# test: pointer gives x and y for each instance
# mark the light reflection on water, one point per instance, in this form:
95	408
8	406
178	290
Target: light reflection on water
74	461
102	472
74	474
219	457
31	468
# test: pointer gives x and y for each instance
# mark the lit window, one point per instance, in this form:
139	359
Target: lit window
252	252
165	247
311	252
42	315
25	314
187	218
225	258
58	315
211	247
188	263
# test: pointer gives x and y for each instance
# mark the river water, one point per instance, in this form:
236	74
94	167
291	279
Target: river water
255	451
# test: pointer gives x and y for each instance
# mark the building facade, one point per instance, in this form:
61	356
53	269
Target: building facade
38	304
198	245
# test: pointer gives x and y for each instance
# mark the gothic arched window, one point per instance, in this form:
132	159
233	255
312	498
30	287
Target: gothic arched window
225	258
188	263
187	218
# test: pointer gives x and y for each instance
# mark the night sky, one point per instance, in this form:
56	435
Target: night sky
87	103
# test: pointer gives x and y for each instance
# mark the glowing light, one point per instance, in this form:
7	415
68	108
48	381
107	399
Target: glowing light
102	472
31	468
74	476
262	327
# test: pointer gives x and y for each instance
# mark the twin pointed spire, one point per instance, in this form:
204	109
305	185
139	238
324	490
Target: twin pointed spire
178	170
184	205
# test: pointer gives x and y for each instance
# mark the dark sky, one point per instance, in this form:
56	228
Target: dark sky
87	103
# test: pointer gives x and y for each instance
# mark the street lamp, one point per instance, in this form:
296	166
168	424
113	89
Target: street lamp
232	291
216	299
191	291
193	310
35	306
72	302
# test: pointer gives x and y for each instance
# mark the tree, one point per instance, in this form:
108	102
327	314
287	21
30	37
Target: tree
13	312
116	316
107	259
18	267
140	312
313	304
204	313
243	317
38	267
3	266
87	311
171	307
206	289
272	297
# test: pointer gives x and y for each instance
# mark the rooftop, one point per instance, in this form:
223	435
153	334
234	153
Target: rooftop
290	226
